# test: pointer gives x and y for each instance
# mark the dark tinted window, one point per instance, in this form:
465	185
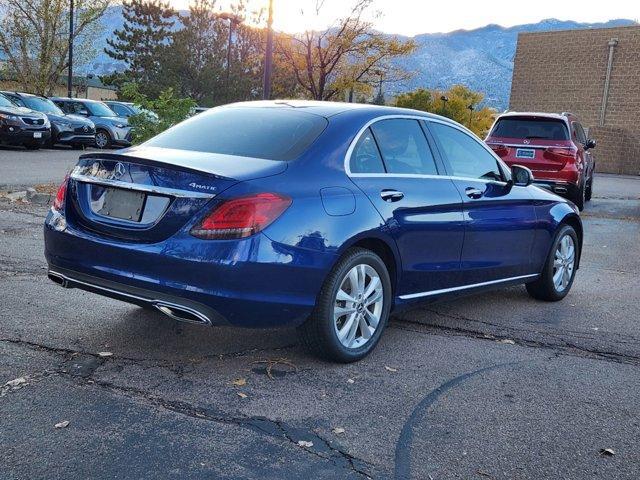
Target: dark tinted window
404	147
582	137
271	133
365	157
531	128
467	157
120	110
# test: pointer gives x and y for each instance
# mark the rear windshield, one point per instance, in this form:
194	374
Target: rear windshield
269	133
531	128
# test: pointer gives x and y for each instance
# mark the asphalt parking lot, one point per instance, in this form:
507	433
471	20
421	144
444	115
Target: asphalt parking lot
496	386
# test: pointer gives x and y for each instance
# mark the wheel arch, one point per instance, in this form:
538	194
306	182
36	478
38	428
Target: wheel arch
573	220
383	247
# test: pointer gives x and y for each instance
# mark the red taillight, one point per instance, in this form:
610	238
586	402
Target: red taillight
501	150
58	202
559	153
242	217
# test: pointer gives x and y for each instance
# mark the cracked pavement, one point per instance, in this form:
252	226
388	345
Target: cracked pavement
494	386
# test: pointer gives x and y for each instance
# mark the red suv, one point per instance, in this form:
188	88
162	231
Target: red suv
555	148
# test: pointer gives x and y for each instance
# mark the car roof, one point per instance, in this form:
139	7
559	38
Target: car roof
67	99
556	116
329	109
21	94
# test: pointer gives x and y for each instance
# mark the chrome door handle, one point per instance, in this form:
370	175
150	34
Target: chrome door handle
391	195
473	192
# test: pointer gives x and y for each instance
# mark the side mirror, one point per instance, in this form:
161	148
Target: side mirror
521	176
591	143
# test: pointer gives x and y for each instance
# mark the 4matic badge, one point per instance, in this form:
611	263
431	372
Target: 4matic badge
202	187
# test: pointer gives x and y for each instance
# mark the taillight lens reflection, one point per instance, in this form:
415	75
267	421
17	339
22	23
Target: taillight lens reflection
242	217
61	195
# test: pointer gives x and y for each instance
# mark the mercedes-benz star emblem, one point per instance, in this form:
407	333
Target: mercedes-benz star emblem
85	129
118	171
526	141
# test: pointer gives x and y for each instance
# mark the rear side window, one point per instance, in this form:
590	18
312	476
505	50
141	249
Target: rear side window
582	137
404	147
119	109
466	155
531	128
269	133
365	157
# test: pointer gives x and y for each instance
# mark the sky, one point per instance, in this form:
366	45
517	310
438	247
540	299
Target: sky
411	17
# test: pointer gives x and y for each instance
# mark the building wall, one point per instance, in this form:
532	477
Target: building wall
566	71
93	93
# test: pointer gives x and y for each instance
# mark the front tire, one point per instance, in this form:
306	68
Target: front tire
589	192
580	196
103	139
560	268
352	308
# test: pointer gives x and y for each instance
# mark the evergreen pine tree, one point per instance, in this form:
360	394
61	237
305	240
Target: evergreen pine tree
147	31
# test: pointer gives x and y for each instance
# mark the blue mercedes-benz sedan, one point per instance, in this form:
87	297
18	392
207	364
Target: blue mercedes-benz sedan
324	216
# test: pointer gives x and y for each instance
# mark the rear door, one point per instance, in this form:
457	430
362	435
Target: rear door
392	162
500	220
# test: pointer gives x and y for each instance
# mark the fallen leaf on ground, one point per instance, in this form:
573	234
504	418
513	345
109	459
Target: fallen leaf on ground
390	369
242	395
609	452
507	341
304	443
239	382
16	381
351	380
338	430
64	424
105	354
270	363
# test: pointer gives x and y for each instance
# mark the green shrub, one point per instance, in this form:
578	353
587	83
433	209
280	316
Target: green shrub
157	115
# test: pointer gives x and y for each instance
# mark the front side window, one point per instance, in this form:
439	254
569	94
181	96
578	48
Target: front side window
466	155
404	147
119	109
365	157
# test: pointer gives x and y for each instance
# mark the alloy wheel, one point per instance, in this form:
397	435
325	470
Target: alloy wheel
358	306
564	263
101	140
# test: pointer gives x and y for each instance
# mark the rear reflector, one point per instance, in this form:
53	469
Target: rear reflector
241	217
58	202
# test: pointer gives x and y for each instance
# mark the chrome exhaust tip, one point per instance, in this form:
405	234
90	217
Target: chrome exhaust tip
58	279
182	313
560	189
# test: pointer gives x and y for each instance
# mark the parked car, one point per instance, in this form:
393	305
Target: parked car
554	146
325	216
66	129
128	109
22	126
111	130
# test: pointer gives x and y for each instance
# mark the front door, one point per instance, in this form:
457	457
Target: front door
500	219
393	164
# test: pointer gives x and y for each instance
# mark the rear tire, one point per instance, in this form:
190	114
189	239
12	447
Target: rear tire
580	197
352	309
559	269
589	192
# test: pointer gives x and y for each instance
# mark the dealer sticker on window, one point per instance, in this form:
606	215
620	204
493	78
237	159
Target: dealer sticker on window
525	153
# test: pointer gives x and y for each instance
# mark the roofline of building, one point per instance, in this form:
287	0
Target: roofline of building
552	32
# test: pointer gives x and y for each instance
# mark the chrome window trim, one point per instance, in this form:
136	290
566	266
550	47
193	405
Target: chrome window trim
352	146
139	187
465	287
524	145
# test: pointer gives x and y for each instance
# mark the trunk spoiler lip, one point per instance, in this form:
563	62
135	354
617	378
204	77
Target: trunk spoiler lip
137	155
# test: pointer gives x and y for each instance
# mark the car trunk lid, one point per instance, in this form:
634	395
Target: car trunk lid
536	154
147	195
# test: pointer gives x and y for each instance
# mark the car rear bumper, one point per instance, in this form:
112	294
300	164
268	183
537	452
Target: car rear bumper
564	189
252	282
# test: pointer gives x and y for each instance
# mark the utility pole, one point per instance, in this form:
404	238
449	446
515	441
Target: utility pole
70	74
234	20
471	108
268	56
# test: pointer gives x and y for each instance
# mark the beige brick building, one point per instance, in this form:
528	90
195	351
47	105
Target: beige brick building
593	73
